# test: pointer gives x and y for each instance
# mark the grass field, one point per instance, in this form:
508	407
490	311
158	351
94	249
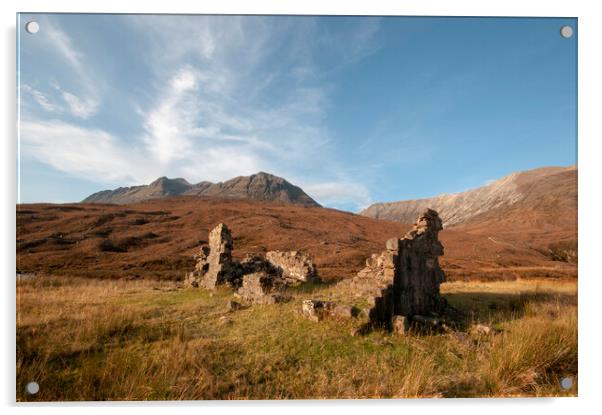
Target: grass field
88	339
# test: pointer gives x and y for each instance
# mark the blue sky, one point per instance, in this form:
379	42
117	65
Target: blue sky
355	110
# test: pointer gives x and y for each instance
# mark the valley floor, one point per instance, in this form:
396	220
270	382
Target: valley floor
91	339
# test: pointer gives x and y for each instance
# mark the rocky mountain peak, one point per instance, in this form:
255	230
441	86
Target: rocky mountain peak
259	186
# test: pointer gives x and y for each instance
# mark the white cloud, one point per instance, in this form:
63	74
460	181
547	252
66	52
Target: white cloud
41	99
172	121
82	108
90	153
63	44
83	97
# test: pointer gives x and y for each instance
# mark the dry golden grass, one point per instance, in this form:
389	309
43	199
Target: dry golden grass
83	339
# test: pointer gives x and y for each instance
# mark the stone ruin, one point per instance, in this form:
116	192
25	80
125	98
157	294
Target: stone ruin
262	288
402	283
214	262
257	279
293	265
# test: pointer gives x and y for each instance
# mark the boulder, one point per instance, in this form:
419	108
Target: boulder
317	310
400	324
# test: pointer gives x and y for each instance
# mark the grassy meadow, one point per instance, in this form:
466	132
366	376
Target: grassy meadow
89	339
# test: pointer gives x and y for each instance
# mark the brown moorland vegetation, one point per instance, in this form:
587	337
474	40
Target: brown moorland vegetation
100	306
156	239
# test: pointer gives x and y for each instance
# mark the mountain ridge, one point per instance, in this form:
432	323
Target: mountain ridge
514	190
258	186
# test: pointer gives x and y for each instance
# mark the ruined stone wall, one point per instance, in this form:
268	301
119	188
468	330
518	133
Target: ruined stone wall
404	280
261	288
293	265
258	279
214	262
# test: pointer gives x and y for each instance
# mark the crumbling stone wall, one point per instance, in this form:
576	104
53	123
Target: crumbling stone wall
404	280
214	262
293	266
261	288
258	279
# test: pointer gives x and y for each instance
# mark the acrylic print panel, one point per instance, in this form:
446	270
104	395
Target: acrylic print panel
298	207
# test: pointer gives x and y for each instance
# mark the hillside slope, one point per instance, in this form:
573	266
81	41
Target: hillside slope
157	239
543	189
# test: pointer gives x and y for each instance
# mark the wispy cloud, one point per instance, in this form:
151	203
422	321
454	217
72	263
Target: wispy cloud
63	44
41	99
83	152
82	108
82	98
173	119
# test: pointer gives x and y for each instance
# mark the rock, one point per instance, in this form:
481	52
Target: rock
404	280
215	266
224	320
392	244
214	262
190	280
343	311
233	305
256	263
364	313
262	288
316	310
400	324
293	266
482	329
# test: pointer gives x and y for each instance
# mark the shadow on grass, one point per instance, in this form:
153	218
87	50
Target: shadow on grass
310	287
494	308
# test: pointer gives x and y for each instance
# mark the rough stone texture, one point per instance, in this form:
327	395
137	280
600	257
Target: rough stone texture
259	280
256	263
404	280
294	266
214	262
317	310
260	186
400	324
233	305
261	288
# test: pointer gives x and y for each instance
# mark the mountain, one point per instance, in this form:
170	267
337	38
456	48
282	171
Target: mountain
260	186
524	204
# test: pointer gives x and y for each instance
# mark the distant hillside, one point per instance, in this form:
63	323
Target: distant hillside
260	186
555	185
157	239
534	209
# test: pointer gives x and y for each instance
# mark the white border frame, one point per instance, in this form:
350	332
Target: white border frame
590	68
